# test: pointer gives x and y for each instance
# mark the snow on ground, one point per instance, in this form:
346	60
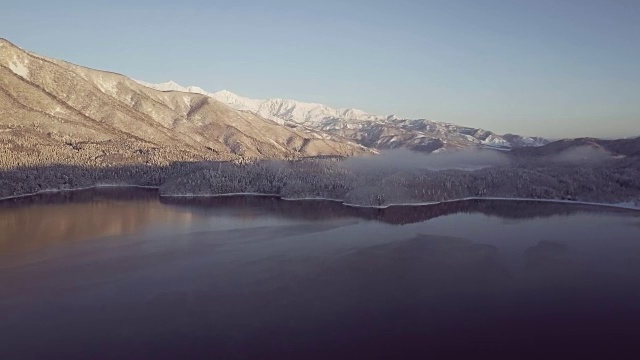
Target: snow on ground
19	68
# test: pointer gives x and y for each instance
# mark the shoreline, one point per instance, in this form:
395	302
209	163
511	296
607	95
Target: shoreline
558	201
50	191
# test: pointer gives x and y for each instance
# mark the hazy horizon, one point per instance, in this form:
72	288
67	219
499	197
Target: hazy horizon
543	68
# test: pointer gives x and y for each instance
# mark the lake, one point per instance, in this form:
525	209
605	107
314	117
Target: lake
125	274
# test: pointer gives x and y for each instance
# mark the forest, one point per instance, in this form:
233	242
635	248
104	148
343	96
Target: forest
615	181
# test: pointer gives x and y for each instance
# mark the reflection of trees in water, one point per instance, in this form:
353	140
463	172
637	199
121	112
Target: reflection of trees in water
83	214
422	291
302	209
73	215
322	209
513	209
56	218
86	195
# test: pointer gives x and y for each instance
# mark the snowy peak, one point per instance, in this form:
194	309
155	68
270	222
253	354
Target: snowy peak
165	86
241	103
281	110
173	86
376	131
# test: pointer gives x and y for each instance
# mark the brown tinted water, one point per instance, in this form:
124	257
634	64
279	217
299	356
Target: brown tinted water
125	274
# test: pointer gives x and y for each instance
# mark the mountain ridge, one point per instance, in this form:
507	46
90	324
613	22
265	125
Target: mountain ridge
53	110
376	131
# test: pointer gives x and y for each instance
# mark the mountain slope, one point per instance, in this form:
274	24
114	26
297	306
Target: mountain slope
629	147
55	111
380	132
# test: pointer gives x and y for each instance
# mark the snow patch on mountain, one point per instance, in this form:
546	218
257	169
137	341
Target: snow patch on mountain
172	86
107	84
19	69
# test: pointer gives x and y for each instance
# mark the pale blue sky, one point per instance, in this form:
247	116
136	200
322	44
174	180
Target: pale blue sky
557	68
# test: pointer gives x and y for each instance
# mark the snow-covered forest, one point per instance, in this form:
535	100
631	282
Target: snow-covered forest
616	181
386	185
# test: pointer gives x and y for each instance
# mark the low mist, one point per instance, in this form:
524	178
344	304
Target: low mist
407	159
582	154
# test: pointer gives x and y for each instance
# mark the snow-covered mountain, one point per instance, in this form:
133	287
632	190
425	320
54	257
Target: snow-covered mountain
279	110
56	112
376	131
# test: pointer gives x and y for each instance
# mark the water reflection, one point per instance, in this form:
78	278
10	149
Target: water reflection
58	218
262	278
399	215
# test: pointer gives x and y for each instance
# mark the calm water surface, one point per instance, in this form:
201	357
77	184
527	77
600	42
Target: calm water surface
122	274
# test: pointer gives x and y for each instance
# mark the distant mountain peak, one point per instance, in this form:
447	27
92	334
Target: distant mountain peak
226	92
371	130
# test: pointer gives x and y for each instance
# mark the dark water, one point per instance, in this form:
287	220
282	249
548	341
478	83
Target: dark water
124	275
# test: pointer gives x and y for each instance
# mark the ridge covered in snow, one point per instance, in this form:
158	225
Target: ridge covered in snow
376	131
279	110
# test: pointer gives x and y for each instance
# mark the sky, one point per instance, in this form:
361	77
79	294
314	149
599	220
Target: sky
553	68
